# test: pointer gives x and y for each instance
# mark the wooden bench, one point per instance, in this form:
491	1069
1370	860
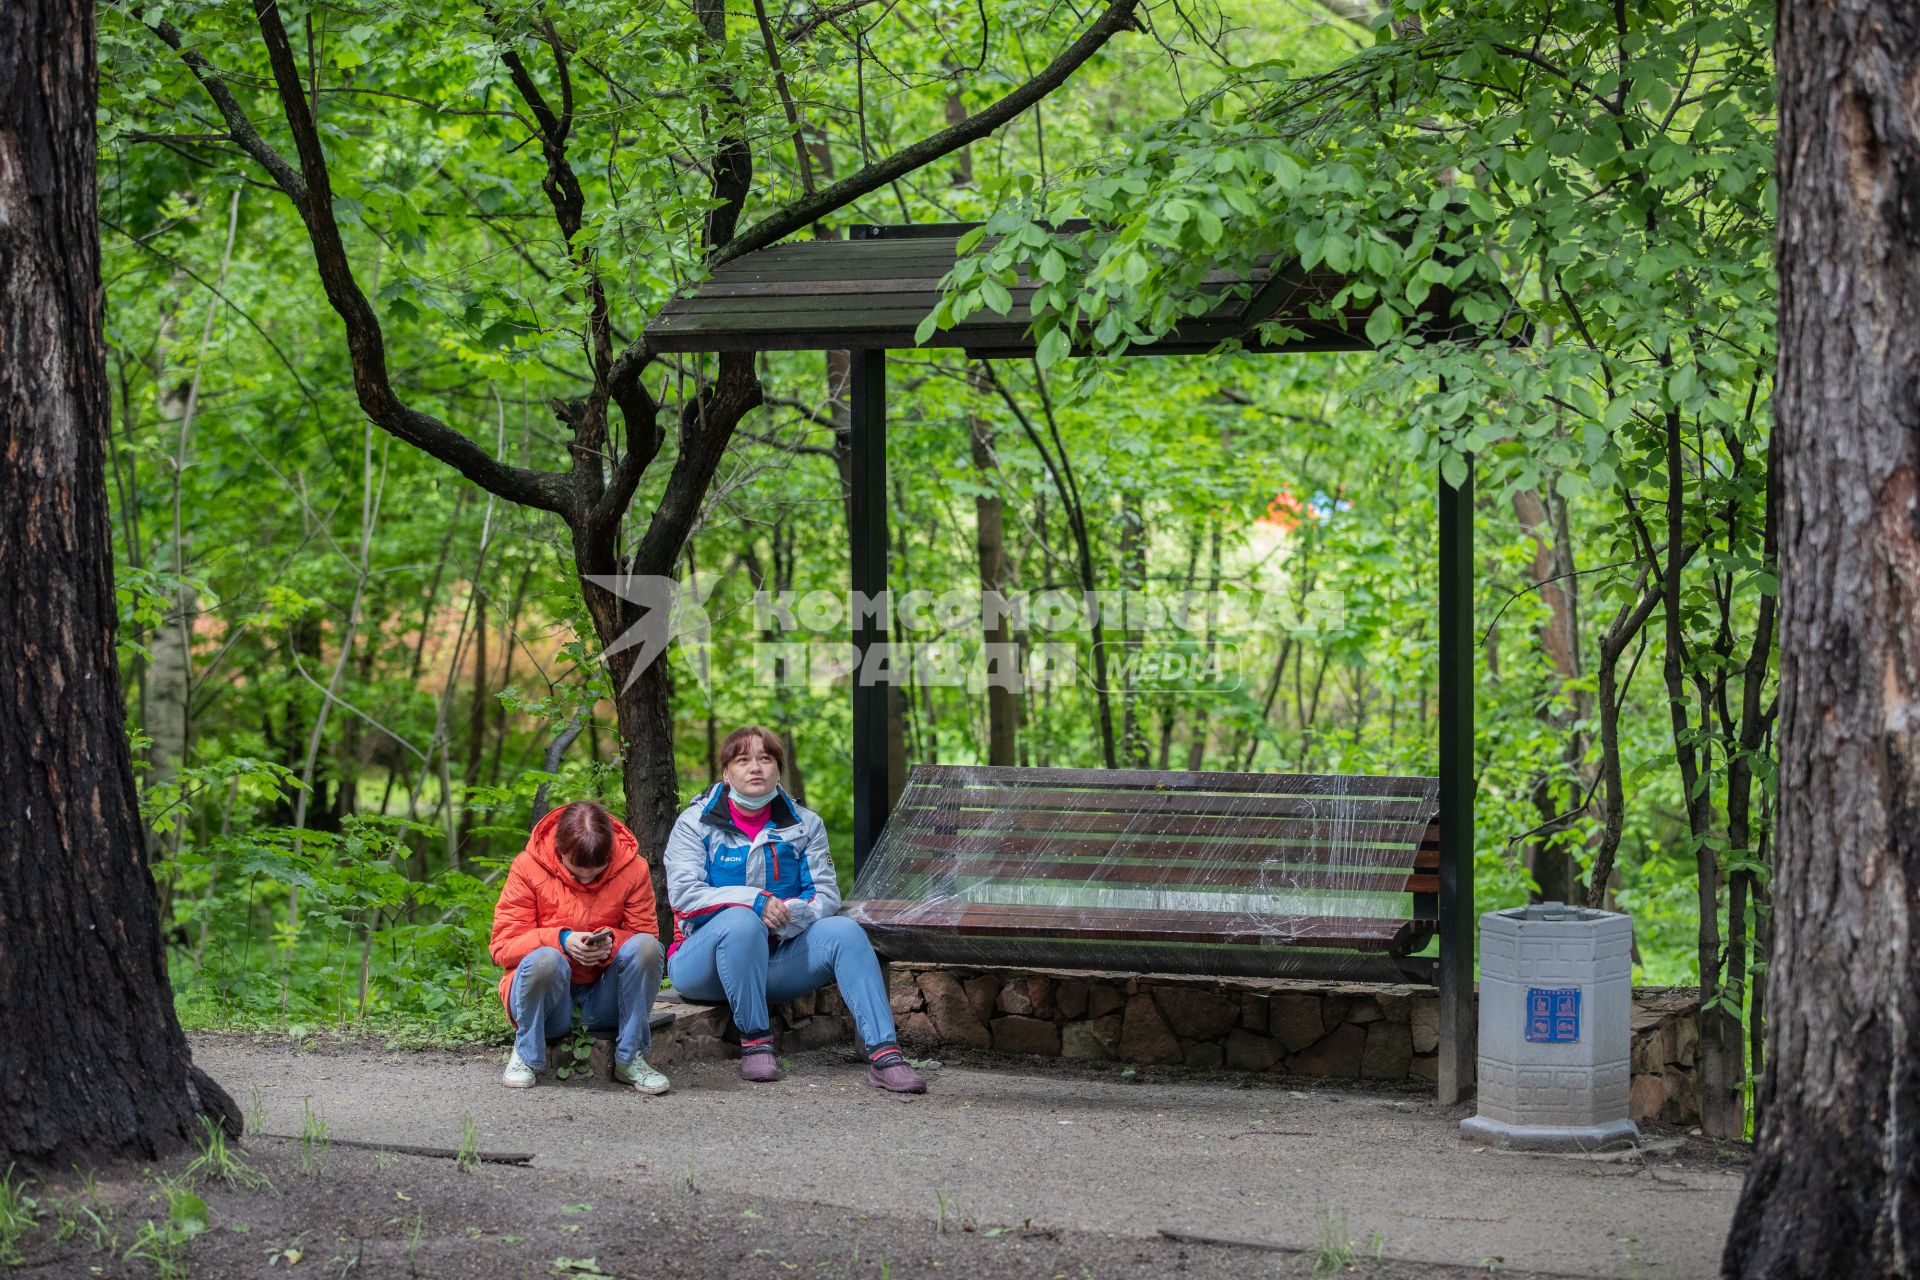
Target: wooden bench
1273	875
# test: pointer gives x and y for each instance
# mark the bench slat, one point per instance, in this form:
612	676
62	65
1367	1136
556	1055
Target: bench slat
985	844
1173	781
917	798
1134	874
1018	820
1230	928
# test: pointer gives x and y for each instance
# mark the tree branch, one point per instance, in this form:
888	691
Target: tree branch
310	189
809	209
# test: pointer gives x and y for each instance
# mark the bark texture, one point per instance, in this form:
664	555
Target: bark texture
1834	1189
93	1064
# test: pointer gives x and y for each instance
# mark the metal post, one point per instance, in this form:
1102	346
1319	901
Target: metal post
867	402
1459	1048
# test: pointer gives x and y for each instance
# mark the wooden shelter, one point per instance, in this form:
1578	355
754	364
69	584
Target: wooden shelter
867	294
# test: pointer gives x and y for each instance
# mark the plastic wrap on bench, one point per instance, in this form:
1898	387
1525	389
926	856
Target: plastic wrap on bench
1276	874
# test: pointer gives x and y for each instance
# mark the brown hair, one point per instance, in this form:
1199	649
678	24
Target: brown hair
584	835
740	741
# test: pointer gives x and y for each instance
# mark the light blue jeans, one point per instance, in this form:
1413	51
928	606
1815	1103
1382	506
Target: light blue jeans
727	958
620	1000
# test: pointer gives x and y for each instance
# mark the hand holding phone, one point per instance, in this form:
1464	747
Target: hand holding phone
590	948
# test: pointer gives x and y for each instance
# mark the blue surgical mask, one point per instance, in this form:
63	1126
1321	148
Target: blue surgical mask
751	803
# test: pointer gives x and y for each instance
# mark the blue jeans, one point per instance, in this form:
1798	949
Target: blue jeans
620	1000
728	958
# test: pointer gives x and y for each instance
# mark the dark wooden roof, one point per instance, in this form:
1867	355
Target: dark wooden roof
872	293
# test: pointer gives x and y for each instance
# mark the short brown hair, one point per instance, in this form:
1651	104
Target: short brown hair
740	741
584	835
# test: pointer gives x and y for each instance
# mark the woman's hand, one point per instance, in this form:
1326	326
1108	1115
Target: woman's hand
775	913
589	948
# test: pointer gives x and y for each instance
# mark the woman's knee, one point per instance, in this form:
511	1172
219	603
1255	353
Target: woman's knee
641	949
738	924
843	931
544	967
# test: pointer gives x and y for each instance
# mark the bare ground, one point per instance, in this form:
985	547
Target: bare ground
1007	1168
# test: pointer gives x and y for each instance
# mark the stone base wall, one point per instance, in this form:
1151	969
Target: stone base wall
1363	1032
1666	1056
1357	1032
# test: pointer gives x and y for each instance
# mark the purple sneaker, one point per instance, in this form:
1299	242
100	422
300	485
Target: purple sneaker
890	1071
759	1066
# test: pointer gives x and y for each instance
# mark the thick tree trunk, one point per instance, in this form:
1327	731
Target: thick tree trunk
1834	1187
93	1064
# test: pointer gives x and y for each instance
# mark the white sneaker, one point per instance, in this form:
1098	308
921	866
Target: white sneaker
518	1074
641	1076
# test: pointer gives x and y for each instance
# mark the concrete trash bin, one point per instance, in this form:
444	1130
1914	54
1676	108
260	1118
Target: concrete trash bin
1556	1004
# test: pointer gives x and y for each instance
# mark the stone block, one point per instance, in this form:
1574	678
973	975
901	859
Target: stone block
1683	1101
1389	1051
1104	998
827	1002
1253	1011
690	1048
1646	1098
1195	1013
1015	998
1247	1051
1017	1033
1040	996
801	1006
1424	1068
1070	998
951	1011
916	1030
1338	1055
1334	1012
1294	1020
1144	1036
1204	1055
1360	1012
1426	1025
818	1032
982	990
1395	1008
903	992
1099	1038
1686	1041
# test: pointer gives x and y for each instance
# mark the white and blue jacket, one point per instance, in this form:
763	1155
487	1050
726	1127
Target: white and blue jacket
712	865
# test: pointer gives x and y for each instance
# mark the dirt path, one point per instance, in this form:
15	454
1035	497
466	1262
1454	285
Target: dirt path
1008	1144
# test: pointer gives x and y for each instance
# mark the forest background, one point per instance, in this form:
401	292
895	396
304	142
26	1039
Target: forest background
355	672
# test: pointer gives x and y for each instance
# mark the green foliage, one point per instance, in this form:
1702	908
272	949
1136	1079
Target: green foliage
220	1162
575	1051
163	1242
338	760
316	1139
18	1212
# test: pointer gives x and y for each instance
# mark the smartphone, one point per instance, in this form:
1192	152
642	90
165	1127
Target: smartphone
598	936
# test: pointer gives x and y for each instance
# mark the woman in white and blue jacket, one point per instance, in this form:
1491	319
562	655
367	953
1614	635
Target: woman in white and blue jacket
755	908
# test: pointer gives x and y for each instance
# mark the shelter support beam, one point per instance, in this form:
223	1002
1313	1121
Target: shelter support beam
867	512
1459	1033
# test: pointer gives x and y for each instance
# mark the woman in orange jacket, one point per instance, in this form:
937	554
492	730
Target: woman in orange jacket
575	929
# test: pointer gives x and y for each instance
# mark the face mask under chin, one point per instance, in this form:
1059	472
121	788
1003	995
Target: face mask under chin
751	802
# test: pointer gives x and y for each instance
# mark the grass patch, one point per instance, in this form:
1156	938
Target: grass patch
1337	1251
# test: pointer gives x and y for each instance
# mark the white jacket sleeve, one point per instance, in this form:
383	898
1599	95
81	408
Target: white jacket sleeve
824	898
688	892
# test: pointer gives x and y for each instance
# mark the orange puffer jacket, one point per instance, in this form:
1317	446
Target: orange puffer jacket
541	898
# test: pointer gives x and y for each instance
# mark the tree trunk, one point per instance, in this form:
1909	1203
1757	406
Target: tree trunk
1834	1187
93	1063
990	540
650	777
